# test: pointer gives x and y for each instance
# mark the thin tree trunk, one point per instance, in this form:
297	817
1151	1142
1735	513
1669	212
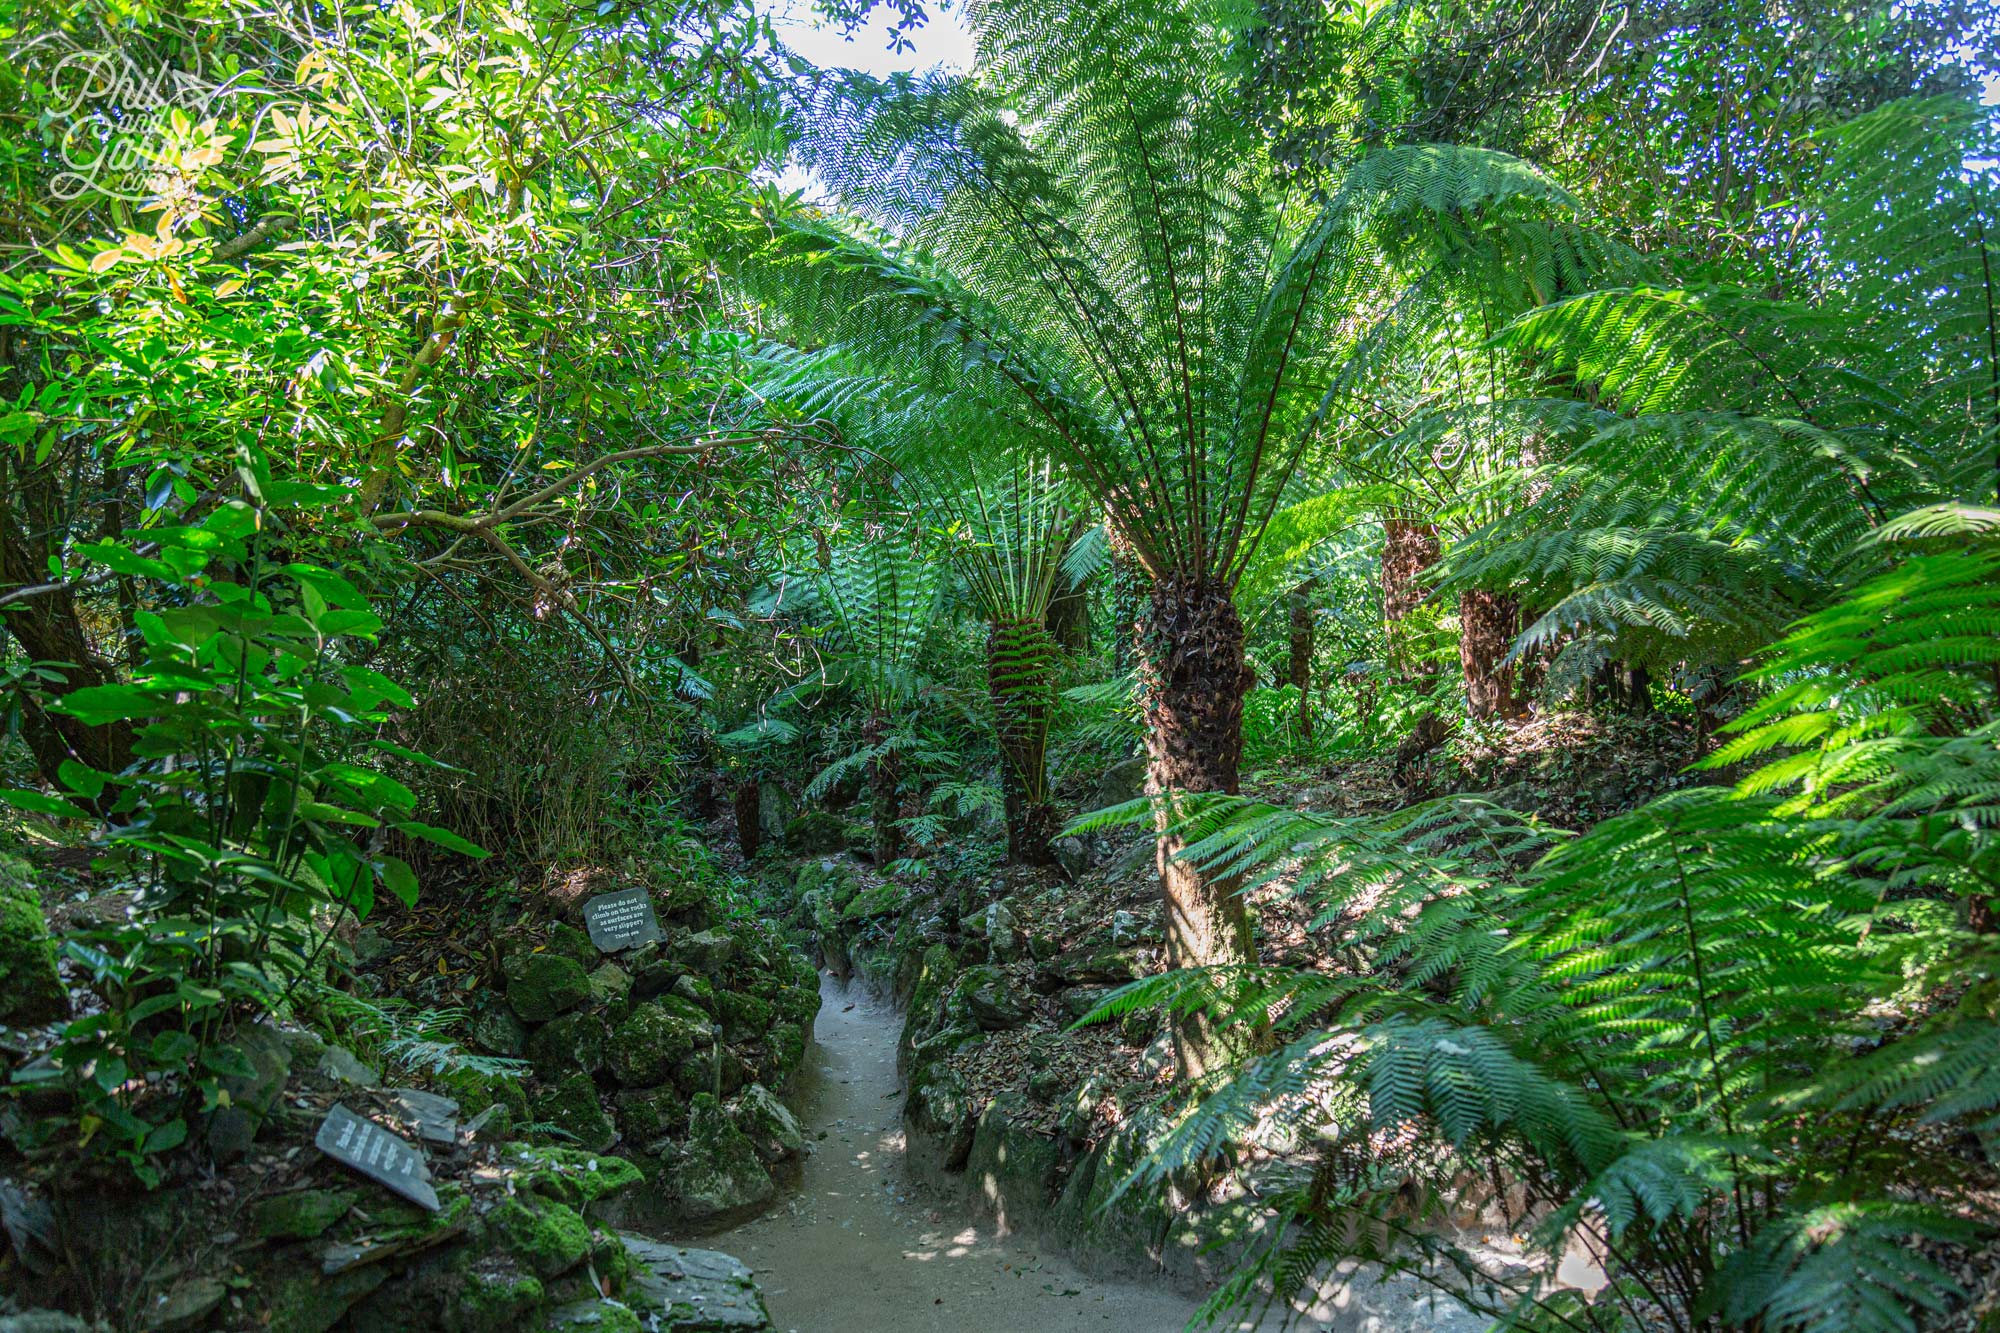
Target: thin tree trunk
1409	547
1487	624
1068	617
1191	679
50	632
1019	659
749	804
1298	664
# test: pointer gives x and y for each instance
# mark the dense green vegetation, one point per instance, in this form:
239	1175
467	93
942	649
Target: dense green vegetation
442	477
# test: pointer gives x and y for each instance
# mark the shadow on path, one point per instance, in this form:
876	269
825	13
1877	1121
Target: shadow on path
858	1249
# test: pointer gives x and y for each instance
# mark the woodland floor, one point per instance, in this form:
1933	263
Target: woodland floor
860	1249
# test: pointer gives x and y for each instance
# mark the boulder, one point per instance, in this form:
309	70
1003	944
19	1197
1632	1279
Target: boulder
784	1052
771	1128
543	986
572	1106
187	1306
340	1065
1012	1168
593	1315
1123	781
576	1041
610	985
879	899
1080	1000
939	1117
253	1089
717	1176
742	1016
648	1115
693	1291
567	941
812	832
707	952
655	1038
994	1005
31	991
696	992
547	1237
713	1069
652	972
1072	856
1097	967
299	1214
493	1028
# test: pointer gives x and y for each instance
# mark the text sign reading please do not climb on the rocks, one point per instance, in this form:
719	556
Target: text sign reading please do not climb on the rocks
376	1153
621	920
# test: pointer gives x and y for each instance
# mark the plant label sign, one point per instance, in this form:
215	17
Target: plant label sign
383	1157
621	920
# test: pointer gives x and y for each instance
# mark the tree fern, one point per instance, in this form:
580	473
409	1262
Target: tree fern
1702	1038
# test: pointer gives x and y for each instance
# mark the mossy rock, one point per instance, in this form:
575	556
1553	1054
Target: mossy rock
784	1051
935	974
814	831
496	1295
610	985
572	1176
543	986
797	1004
769	1124
31	991
495	1029
300	1214
477	1089
718	1175
1136	1226
742	1016
593	1316
647	1115
573	1106
303	1301
707	952
576	1041
655	1039
573	944
879	899
1011	1167
547	1237
697	991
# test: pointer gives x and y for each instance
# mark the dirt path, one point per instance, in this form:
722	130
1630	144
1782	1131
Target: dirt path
859	1250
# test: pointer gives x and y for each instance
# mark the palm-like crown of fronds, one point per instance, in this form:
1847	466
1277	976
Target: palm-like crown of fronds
1079	250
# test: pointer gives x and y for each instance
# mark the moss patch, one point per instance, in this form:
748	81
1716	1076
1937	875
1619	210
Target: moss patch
30	989
299	1215
547	1237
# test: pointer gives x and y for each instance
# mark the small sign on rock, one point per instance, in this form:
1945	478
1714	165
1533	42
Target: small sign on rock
372	1150
621	920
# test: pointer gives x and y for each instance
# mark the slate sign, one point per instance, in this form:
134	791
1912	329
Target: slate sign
376	1153
621	920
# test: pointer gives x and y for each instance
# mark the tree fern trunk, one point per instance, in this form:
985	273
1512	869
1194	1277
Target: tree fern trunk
1409	546
749	805
1191	681
884	775
1020	660
1487	624
1298	664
